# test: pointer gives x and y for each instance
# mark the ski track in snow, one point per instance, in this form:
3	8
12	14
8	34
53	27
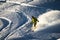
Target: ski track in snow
29	20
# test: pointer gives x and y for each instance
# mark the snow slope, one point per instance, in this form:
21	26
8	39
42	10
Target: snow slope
48	19
15	21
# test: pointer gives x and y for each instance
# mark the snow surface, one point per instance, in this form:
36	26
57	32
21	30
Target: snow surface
48	19
15	20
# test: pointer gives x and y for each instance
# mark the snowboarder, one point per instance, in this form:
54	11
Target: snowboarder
34	21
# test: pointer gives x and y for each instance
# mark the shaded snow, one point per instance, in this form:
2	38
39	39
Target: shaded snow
20	17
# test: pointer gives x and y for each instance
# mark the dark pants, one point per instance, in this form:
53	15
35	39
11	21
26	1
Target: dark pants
35	24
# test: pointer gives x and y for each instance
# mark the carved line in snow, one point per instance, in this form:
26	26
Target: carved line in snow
29	20
3	32
24	4
7	20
